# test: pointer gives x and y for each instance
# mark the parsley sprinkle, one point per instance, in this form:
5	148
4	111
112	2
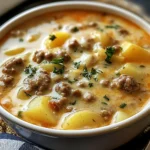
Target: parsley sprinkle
58	61
109	53
118	74
31	71
123	105
21	40
77	64
104	103
112	26
72	81
89	74
59	71
105	97
19	114
52	37
75	29
90	85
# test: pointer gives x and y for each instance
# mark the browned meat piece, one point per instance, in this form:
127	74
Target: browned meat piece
104	83
63	54
74	45
48	56
106	114
76	93
93	24
39	56
38	84
82	84
57	104
63	89
12	66
88	44
89	97
124	32
126	83
6	79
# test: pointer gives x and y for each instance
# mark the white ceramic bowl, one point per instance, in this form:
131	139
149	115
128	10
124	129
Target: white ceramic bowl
103	138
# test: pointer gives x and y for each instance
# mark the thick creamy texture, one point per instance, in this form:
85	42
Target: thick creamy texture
75	70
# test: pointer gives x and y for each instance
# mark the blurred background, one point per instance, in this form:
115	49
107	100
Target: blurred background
10	8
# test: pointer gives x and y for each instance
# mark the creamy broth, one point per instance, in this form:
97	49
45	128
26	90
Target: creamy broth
75	70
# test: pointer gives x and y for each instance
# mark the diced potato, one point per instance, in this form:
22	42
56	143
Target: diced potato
82	119
33	37
26	57
105	40
74	74
101	54
120	116
39	111
117	59
60	39
49	67
14	51
22	95
91	60
135	53
133	70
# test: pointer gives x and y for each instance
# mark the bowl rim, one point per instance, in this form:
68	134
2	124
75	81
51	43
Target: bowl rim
86	132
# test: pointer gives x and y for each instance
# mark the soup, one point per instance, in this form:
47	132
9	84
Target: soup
75	70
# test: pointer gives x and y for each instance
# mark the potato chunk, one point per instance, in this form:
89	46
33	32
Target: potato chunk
49	67
82	120
133	70
135	53
120	116
39	111
59	40
14	51
22	95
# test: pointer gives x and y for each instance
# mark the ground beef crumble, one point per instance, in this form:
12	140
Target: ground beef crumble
37	84
126	83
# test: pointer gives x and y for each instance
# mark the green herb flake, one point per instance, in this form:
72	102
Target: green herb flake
52	37
58	61
89	74
31	71
73	103
112	26
109	53
86	74
106	97
75	29
55	98
59	71
100	29
29	95
91	85
20	114
118	74
21	40
77	64
104	103
72	81
123	105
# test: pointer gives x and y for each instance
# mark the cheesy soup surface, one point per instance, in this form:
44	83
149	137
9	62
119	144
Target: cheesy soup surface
75	70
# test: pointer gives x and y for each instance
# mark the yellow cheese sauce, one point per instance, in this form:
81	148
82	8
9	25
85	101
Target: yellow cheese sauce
75	70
